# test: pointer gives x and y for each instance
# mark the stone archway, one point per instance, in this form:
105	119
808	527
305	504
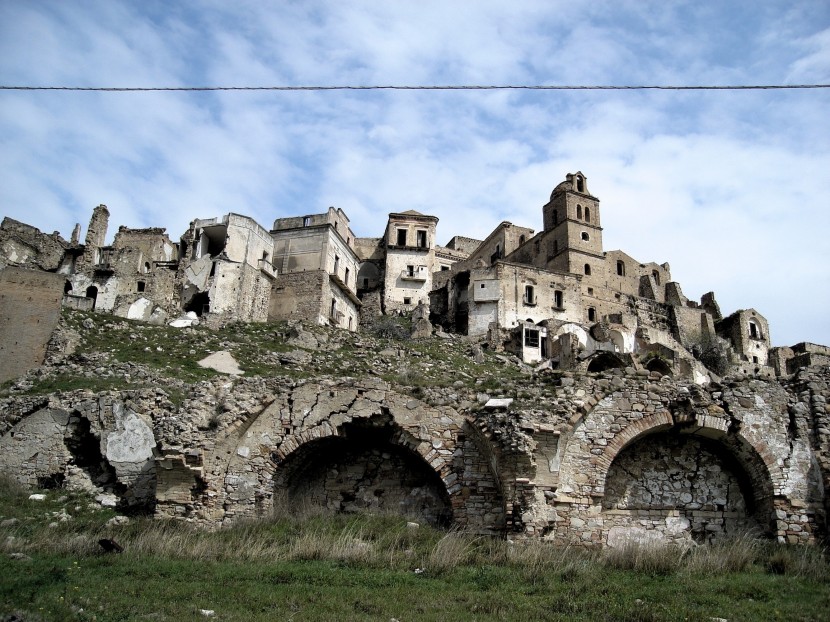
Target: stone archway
671	486
364	468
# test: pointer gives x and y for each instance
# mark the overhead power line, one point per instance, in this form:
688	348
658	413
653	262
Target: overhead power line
390	87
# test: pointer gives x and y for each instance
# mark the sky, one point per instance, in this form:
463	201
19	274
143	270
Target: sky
731	188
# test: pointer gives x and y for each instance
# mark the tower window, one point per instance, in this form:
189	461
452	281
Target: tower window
555	216
621	268
753	330
585	236
306	221
558	299
521	239
656	276
401	237
587	214
580	185
579	212
588	269
422	239
592	314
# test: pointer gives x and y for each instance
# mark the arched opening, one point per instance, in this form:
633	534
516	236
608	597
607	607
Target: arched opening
588	269
363	470
579	212
67	288
587	214
620	268
671	486
656	276
660	366
592	314
92	292
604	361
585	236
580	184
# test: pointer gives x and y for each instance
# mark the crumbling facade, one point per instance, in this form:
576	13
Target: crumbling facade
657	418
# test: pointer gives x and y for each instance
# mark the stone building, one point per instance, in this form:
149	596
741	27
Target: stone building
317	270
226	268
555	297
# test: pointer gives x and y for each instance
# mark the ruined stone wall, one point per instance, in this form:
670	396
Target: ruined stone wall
27	247
298	296
30	303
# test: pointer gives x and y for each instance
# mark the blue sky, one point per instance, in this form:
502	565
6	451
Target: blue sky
731	188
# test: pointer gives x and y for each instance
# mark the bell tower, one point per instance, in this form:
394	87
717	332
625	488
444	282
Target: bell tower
572	227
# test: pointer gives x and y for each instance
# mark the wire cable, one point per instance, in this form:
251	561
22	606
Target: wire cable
536	87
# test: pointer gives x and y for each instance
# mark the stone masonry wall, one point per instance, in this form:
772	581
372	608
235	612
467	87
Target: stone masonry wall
30	303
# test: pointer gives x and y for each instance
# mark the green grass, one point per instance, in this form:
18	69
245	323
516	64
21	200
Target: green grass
362	567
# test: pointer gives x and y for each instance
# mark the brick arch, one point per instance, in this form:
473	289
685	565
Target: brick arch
764	475
401	437
415	458
765	471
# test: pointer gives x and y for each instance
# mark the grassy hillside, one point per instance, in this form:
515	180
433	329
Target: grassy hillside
373	568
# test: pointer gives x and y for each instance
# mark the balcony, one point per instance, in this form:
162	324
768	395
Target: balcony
418	274
267	268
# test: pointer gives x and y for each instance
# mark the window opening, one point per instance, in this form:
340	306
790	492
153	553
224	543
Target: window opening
444	268
333	311
557	299
531	338
621	268
580	186
306	221
585	236
521	239
587	213
579	212
401	237
421	238
656	276
555	217
588	269
92	292
592	314
336	264
753	330
139	287
146	267
410	271
407	301
67	288
346	277
530	298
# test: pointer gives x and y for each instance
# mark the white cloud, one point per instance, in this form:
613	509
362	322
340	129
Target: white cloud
730	188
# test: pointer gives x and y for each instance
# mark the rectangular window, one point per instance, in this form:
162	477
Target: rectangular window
140	286
410	271
530	295
531	338
336	264
401	237
306	221
558	298
346	277
407	301
422	239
